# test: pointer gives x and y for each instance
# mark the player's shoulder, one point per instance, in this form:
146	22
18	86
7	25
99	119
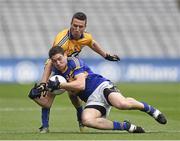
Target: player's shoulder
63	32
74	62
87	35
61	37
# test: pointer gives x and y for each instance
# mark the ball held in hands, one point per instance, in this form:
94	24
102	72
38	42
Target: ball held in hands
54	84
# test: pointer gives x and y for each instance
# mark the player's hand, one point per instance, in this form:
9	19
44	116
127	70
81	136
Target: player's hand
37	90
112	57
53	85
41	87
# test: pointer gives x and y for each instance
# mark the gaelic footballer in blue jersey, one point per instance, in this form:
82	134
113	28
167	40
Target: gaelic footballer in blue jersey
97	92
75	67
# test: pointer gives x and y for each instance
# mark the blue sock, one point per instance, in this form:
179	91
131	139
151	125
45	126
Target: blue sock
119	126
79	111
148	108
45	117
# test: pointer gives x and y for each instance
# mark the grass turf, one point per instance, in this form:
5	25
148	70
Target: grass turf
20	117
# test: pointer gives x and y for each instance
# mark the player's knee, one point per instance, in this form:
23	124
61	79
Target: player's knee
124	104
45	102
127	103
46	105
130	99
86	120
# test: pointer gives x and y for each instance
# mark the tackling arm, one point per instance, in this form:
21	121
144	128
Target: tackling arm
77	85
97	48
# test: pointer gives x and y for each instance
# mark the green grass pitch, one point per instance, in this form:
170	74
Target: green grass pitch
20	116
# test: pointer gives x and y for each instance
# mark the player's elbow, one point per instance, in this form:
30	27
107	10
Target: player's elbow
81	87
81	84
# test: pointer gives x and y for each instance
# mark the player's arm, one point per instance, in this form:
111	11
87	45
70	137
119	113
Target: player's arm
77	85
48	64
47	71
98	49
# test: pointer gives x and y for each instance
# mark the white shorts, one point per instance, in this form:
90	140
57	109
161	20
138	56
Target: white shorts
97	97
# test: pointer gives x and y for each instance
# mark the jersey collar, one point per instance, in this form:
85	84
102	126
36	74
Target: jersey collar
71	36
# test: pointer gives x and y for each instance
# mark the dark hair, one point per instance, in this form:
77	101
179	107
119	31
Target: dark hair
55	50
80	16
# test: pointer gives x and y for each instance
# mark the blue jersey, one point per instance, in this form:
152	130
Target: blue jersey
76	66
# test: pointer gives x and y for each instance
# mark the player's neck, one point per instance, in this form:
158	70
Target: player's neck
65	69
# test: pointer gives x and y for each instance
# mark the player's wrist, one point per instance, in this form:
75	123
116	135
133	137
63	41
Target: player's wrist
61	85
107	56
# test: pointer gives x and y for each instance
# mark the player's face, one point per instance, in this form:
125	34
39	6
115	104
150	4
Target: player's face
59	61
77	28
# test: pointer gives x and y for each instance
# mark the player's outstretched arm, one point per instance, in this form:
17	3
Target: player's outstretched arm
97	48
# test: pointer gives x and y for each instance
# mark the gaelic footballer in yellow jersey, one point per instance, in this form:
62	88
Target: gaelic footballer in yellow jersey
72	46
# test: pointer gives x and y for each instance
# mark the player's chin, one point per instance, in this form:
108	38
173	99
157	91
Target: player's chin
60	67
76	35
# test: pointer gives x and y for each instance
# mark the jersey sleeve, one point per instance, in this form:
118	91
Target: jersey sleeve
77	66
60	37
56	39
89	39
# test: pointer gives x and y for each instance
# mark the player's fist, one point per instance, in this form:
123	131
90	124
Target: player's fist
53	85
112	57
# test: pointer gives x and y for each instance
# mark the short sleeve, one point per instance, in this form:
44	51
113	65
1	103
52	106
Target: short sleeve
76	66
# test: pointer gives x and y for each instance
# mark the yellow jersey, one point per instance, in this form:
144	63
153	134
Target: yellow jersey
71	46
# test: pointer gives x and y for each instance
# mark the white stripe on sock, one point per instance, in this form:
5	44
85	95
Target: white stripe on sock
132	128
156	113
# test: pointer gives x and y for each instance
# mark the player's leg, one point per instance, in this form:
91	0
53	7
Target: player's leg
92	117
79	109
119	101
45	112
45	102
155	113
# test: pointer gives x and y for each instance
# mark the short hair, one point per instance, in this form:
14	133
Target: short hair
80	16
55	50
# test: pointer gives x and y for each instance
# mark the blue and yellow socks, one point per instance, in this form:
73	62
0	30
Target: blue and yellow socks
120	126
148	108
